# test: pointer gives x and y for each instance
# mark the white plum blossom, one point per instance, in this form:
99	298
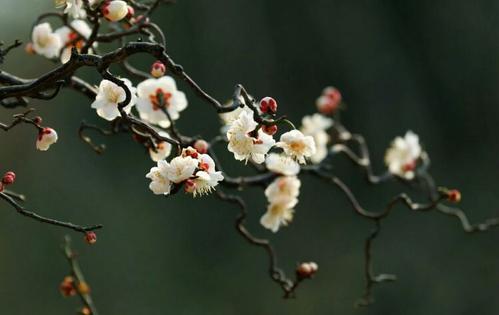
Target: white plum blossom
46	42
297	145
164	174
46	137
196	170
109	96
401	158
207	178
229	117
160	183
244	145
316	126
282	195
282	164
73	7
181	168
69	38
279	213
283	187
157	95
162	149
115	10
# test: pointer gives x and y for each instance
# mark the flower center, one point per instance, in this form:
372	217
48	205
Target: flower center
160	100
297	146
114	96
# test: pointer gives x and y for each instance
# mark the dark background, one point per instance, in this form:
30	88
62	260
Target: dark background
429	66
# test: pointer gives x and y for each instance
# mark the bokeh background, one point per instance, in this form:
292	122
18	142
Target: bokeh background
428	66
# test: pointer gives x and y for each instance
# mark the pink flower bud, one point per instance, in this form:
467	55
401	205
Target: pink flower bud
158	69
201	146
91	237
131	12
268	105
329	101
115	10
307	270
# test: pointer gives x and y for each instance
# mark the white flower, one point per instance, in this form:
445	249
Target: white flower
181	168
160	184
282	195
207	178
156	95
316	126
282	164
315	123
283	187
115	10
402	156
243	145
163	149
69	38
279	213
297	145
229	117
108	97
46	42
164	174
72	7
46	138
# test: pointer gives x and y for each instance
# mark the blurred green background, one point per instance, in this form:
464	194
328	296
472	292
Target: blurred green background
429	66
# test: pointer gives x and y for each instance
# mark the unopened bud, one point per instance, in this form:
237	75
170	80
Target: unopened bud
37	120
115	10
83	288
8	178
270	130
91	237
158	69
67	287
201	146
454	195
131	12
307	270
268	105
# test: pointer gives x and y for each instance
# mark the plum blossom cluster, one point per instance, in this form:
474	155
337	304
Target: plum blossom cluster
52	44
195	171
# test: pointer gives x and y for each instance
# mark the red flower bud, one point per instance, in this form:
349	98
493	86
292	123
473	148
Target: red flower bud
91	237
8	178
454	195
67	287
268	105
270	130
37	120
